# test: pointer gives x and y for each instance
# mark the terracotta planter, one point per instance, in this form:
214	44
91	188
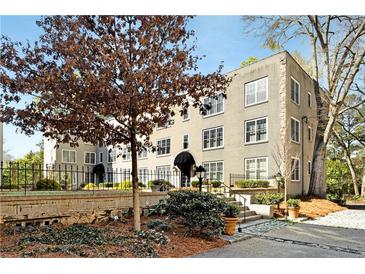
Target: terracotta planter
230	225
293	212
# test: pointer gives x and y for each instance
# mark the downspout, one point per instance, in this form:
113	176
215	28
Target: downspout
304	119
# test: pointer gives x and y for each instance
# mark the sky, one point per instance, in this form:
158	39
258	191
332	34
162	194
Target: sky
220	38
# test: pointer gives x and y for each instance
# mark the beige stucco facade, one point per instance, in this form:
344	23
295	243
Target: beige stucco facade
277	109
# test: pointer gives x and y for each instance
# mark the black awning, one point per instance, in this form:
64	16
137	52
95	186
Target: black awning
184	159
99	169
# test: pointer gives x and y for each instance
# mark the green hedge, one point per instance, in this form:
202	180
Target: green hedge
252	183
47	184
269	198
159	182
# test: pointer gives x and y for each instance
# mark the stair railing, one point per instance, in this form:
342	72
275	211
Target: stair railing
229	190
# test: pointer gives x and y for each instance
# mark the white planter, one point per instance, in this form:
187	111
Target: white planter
267	211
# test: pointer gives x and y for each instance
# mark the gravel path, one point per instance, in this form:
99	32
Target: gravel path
346	218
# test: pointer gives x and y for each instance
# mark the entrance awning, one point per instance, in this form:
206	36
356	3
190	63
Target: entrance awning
184	159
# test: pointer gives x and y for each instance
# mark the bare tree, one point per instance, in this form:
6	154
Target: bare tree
338	50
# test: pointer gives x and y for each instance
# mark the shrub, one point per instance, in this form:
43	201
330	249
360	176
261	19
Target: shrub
195	183
125	185
293	202
199	211
158	225
252	183
232	211
90	186
141	184
333	197
270	198
47	184
216	184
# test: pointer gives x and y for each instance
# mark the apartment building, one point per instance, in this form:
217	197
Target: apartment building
266	124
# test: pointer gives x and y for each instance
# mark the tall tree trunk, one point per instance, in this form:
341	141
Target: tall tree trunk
363	184
353	174
136	202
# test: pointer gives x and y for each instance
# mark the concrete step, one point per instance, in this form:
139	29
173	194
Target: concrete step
248	213
250	218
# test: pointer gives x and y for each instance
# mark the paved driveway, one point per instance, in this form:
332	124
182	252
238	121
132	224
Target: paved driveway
298	240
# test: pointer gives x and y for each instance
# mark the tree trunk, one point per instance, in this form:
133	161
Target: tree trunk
317	183
353	174
363	184
136	202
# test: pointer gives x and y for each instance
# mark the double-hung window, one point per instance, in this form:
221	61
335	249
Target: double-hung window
127	154
163	172
112	156
185	114
256	168
295	91
309	99
310	134
142	154
213	105
213	138
90	158
295	130
186	141
68	156
214	170
163	146
295	169
256	92
256	130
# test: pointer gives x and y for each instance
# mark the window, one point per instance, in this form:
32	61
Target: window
112	156
256	130
213	138
256	168
143	175
309	167
295	169
167	124
186	141
100	157
127	153
163	172
309	98
295	91
256	92
295	130
310	132
216	105
214	170
142	154
68	156
163	146
185	114
90	158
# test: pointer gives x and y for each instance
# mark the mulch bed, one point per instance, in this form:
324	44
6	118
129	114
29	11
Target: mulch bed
312	208
111	239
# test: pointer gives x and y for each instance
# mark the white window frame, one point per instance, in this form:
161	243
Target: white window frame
310	136
126	152
186	134
211	162
255	83
297	103
257	158
165	154
69	150
299	130
309	167
188	116
309	99
142	157
101	157
89	152
292	170
267	130
209	129
216	100
113	160
166	175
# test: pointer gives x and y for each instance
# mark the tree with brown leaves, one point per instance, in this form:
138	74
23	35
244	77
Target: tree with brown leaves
104	79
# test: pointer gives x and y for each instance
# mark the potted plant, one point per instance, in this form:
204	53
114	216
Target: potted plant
293	207
231	218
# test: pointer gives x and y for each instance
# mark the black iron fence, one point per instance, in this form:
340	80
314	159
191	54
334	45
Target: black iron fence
21	177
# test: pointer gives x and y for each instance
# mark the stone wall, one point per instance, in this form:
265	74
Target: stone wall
68	209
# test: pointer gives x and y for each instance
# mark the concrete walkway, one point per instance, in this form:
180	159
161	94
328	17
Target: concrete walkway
296	241
347	218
